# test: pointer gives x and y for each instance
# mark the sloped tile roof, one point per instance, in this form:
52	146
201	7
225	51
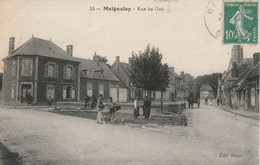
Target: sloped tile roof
175	74
40	47
206	87
92	66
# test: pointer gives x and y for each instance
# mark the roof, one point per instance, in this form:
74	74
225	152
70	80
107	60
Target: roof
40	47
89	67
254	72
125	67
175	74
121	75
239	80
206	87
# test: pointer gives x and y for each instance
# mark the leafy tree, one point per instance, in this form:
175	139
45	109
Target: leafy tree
148	72
211	80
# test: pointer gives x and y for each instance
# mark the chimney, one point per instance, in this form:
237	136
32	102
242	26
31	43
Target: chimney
256	58
11	45
117	59
117	64
171	68
96	59
70	49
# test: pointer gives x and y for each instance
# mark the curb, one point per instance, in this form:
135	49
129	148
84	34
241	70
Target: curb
238	114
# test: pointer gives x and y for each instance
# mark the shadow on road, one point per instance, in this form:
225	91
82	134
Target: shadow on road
7	157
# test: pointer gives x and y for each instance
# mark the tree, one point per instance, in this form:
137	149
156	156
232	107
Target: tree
211	80
148	72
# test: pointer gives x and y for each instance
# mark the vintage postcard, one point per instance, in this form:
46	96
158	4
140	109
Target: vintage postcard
129	82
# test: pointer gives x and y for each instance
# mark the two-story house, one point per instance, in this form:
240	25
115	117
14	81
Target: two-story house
43	70
97	78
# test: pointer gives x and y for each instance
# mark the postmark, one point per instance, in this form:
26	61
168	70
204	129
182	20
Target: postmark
240	22
213	18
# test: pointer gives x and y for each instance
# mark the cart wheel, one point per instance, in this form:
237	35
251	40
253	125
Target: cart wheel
118	119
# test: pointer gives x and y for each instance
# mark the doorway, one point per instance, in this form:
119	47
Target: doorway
26	89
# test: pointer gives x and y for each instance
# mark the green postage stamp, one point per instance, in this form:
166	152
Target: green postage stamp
240	22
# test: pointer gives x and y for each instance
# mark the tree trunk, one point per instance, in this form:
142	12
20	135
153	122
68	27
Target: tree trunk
162	102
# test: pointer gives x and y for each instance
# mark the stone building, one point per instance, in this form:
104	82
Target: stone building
43	70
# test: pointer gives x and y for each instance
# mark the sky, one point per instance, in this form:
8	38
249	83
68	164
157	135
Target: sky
181	31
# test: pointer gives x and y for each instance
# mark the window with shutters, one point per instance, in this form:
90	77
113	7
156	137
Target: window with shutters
90	89
101	89
69	72
50	91
51	70
13	68
68	92
27	68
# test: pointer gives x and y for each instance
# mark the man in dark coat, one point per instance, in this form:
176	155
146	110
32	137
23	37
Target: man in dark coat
86	101
147	107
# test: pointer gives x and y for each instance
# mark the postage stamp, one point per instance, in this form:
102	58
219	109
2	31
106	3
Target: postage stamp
240	22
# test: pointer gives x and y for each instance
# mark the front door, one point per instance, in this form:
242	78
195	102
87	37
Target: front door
26	89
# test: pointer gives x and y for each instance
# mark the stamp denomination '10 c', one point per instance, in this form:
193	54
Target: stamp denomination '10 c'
240	23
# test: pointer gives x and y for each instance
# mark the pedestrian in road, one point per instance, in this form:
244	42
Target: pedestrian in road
218	101
86	102
189	101
100	107
198	102
136	108
112	108
147	108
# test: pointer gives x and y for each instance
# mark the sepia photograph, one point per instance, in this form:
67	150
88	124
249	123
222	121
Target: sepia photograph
138	82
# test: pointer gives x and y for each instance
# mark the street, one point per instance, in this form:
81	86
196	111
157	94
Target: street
212	136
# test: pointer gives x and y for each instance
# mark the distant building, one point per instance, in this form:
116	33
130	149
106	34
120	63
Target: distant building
206	91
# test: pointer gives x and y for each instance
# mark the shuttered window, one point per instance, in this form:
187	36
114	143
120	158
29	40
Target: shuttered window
69	92
90	89
69	72
27	67
51	70
50	91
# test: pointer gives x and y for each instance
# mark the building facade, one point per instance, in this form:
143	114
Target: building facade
43	70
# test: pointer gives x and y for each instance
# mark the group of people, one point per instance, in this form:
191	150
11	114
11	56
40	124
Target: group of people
112	108
100	106
146	108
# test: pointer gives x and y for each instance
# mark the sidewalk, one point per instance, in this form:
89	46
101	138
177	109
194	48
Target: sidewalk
241	112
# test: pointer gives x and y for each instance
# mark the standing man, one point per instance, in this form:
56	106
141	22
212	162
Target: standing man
189	101
86	101
100	107
136	108
147	108
112	108
29	98
198	102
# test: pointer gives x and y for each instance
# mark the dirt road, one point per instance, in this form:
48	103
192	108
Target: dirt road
212	137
